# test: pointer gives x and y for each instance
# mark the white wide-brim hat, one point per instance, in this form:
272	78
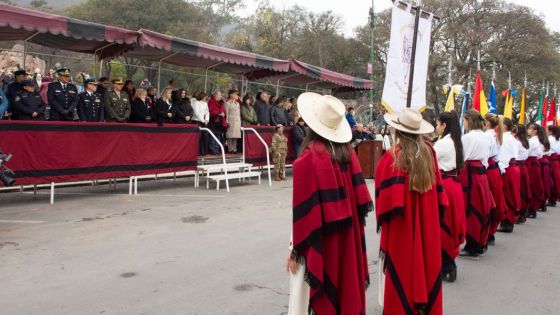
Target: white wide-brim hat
409	121
326	116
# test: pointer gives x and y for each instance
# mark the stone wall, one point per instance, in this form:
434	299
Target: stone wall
10	59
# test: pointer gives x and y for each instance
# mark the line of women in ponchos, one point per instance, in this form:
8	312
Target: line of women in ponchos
496	175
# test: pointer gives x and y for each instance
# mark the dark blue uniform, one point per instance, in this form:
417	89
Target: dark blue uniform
63	102
90	107
25	104
11	92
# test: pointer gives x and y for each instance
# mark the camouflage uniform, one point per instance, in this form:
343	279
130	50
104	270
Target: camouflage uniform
279	152
117	106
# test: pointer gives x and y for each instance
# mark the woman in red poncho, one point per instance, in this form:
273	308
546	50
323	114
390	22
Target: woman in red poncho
478	198
330	203
410	201
511	176
449	152
494	127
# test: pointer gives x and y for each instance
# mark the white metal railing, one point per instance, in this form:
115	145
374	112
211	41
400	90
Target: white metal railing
266	147
223	153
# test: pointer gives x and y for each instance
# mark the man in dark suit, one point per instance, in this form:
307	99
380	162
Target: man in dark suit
28	104
263	108
90	107
63	97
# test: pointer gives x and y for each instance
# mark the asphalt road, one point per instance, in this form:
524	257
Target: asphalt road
178	250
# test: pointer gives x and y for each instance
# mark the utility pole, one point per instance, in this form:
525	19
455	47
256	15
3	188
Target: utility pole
372	55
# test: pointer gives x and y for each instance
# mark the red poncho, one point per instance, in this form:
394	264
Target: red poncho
454	225
331	201
497	213
410	240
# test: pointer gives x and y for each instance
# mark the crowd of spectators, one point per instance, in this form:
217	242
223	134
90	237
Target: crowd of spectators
362	133
60	96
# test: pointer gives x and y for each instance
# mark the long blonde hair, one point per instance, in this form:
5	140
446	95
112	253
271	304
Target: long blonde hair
496	123
414	156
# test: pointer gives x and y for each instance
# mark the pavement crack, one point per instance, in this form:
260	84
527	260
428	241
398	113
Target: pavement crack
262	287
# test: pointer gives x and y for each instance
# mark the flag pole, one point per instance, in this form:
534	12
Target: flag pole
509	80
413	53
478	62
372	52
449	71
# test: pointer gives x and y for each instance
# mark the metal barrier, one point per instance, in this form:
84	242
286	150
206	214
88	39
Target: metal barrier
243	129
223	154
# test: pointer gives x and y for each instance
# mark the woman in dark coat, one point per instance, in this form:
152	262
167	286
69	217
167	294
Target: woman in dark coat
130	90
142	109
182	107
164	111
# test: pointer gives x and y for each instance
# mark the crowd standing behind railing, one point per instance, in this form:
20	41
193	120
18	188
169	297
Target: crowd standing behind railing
57	96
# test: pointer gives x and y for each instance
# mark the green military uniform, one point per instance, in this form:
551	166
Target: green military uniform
279	153
117	106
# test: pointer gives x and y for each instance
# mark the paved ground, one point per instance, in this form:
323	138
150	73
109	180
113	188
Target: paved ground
179	250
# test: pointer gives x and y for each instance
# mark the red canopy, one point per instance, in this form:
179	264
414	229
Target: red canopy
183	52
62	32
302	73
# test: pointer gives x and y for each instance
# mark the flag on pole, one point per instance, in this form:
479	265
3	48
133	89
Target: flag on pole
466	96
551	120
450	105
479	99
540	108
544	112
508	108
369	68
522	109
493	99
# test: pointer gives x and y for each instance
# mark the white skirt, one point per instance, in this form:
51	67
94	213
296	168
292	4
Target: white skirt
299	293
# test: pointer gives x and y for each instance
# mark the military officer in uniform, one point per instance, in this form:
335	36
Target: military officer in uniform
63	97
117	106
28	104
90	106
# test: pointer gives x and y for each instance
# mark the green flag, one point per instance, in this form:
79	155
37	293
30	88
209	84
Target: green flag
540	111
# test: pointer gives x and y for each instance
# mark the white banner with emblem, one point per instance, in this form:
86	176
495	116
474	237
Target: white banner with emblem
399	58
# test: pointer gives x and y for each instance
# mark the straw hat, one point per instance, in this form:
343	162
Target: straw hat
409	121
326	116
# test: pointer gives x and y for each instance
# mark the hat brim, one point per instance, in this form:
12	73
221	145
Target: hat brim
392	120
306	104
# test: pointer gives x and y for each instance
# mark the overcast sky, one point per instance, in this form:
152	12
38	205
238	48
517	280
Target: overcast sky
355	12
